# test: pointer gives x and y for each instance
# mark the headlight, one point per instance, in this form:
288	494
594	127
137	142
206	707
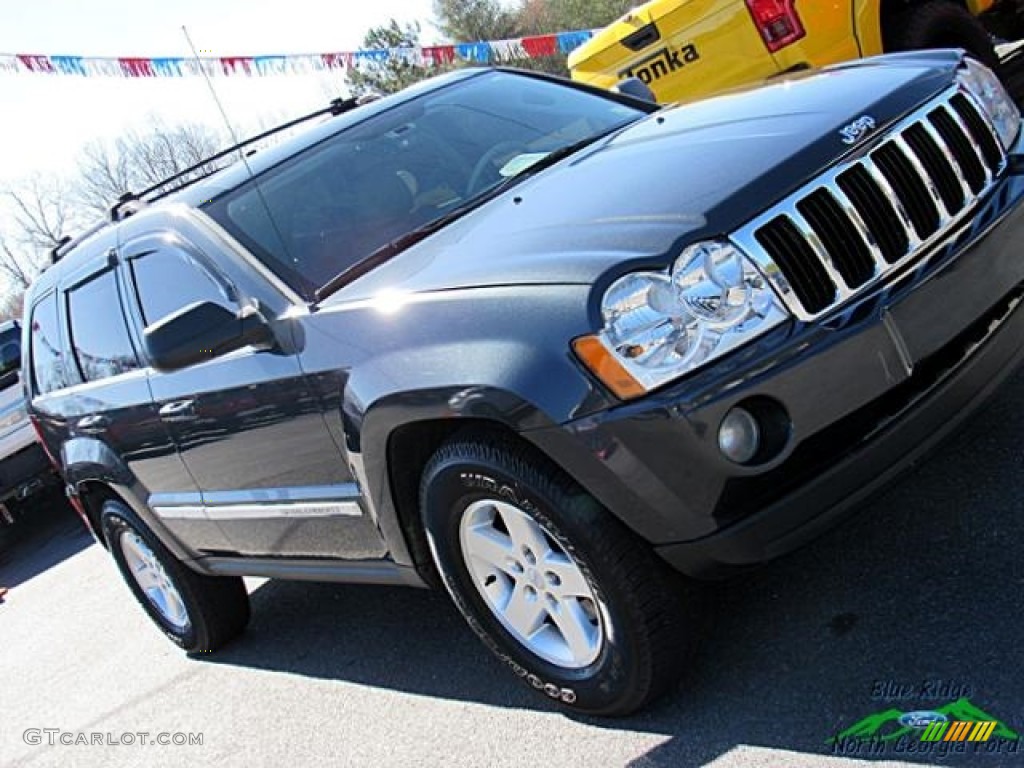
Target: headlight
659	326
983	84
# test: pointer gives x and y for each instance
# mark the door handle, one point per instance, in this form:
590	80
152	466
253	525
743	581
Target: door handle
92	424
179	410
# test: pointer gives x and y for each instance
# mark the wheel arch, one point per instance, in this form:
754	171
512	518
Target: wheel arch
95	475
398	435
390	433
409	449
93	494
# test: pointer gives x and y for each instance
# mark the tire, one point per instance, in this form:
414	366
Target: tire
200	613
939	24
623	607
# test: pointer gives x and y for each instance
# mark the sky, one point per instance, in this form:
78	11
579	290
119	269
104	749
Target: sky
46	118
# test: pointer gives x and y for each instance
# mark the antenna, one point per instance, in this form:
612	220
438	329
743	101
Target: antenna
216	99
243	156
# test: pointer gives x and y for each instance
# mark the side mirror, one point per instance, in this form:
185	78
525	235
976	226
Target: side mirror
635	87
200	332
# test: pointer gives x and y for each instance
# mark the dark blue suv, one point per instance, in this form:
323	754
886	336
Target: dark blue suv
553	349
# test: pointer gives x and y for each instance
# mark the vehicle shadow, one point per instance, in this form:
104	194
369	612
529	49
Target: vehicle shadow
48	533
923	587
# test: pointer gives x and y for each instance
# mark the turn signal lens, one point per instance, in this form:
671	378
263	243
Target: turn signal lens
603	364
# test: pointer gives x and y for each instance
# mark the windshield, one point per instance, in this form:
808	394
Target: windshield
329	207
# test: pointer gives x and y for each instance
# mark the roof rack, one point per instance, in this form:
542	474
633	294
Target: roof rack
67	242
132	202
60	249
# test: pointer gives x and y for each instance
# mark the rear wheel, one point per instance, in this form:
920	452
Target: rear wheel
573	602
197	612
939	24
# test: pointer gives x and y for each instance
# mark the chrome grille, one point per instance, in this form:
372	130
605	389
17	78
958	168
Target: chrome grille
870	216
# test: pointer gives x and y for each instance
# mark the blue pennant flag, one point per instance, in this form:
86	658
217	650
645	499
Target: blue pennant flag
570	41
68	65
167	67
479	52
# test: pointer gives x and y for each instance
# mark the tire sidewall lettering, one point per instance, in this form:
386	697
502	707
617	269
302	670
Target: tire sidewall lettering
475	484
566	695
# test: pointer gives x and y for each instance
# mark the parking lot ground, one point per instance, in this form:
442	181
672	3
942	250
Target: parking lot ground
921	590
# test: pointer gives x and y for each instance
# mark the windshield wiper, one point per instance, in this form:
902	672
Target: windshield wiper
395	247
410	238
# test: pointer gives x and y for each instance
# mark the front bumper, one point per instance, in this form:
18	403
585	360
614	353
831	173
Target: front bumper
868	392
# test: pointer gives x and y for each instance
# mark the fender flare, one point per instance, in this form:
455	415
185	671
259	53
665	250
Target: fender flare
372	439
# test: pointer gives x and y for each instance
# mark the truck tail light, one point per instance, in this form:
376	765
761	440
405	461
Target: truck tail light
777	21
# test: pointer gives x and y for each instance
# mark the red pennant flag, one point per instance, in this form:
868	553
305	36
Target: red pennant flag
541	45
337	60
236	64
137	67
35	63
439	54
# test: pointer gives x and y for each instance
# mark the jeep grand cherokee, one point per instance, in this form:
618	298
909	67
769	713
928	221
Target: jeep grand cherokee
542	345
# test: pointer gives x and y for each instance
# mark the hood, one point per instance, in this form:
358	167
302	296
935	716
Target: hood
682	174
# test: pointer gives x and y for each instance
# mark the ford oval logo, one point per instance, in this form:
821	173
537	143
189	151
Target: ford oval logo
858	129
921	719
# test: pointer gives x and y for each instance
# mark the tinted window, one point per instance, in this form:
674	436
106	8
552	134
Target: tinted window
169	279
328	208
49	364
10	350
99	334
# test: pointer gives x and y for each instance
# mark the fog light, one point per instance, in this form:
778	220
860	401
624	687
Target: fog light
739	437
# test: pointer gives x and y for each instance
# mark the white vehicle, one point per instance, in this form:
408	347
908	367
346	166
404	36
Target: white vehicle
24	467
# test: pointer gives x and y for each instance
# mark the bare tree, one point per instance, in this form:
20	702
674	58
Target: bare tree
138	160
18	266
40	211
11	306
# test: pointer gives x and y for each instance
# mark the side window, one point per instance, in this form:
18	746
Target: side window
10	350
169	279
99	334
49	363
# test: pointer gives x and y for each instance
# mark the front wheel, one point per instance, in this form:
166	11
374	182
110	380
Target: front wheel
198	613
573	602
939	24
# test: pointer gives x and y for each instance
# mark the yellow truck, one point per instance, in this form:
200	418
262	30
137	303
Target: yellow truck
685	49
